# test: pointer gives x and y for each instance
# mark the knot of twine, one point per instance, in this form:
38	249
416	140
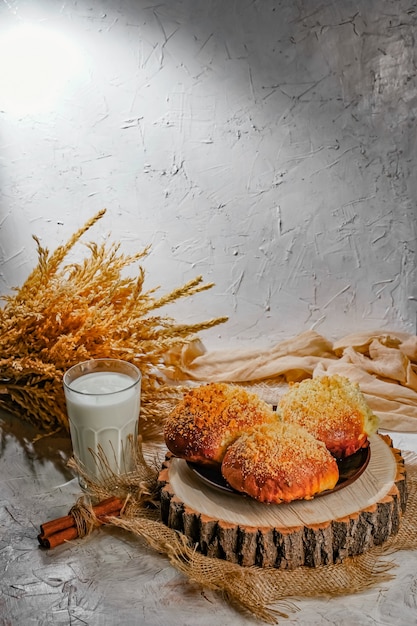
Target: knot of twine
84	517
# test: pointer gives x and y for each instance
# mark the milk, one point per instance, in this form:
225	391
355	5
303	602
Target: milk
103	410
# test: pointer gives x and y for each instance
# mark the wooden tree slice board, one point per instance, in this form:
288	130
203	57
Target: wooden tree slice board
316	532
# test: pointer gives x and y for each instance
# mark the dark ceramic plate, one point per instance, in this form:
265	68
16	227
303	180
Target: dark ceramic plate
350	469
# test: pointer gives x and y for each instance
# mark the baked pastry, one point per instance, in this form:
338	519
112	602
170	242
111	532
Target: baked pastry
279	462
332	409
210	417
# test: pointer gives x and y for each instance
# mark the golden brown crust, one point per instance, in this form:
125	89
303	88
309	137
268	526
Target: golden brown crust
210	418
332	409
279	462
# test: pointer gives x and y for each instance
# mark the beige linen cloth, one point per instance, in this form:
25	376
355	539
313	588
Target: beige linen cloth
383	363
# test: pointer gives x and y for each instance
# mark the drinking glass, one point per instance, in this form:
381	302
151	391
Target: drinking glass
103	403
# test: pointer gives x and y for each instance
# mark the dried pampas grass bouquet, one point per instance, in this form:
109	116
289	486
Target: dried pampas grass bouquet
70	312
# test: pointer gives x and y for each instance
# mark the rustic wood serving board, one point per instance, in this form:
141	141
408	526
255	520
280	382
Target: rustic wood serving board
317	532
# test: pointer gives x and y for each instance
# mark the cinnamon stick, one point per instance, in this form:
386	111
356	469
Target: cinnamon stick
57	525
62	529
56	539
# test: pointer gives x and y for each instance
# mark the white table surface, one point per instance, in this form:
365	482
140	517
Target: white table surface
112	578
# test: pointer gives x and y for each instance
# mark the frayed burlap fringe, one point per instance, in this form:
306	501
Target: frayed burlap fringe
267	594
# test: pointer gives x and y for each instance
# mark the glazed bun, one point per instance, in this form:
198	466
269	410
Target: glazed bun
210	417
332	409
279	462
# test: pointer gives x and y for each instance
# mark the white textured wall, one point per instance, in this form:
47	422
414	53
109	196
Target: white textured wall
268	145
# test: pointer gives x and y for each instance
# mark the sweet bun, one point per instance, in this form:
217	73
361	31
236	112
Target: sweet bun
332	409
210	417
279	462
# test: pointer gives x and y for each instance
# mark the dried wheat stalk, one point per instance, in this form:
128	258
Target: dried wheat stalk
67	313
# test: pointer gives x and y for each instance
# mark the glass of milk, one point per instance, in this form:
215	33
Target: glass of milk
103	404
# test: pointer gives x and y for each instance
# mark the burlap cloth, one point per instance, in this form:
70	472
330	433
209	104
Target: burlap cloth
266	593
384	364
